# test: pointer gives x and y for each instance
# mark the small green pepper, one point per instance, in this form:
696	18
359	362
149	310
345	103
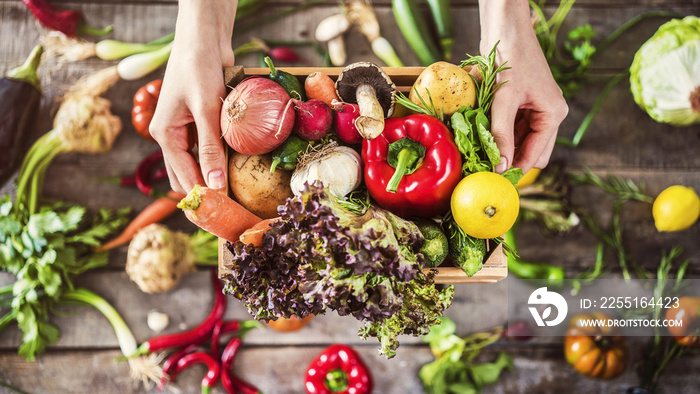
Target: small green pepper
287	154
289	82
435	247
552	275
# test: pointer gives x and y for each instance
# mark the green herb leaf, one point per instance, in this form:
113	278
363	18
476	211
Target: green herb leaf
513	174
43	223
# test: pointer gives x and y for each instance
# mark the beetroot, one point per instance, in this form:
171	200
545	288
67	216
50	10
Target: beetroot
344	122
313	119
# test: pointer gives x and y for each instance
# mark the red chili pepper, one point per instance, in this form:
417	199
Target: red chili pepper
170	365
143	174
412	168
145	101
197	335
213	368
338	369
221	328
69	22
232	383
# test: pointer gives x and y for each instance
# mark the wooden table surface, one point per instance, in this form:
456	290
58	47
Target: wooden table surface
622	140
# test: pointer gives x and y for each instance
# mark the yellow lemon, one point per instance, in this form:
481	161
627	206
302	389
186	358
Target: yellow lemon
676	208
529	178
485	205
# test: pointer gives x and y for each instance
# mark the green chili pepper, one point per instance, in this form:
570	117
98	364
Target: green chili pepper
287	154
551	274
289	82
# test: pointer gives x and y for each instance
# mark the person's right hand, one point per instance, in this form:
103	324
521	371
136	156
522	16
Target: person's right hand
190	100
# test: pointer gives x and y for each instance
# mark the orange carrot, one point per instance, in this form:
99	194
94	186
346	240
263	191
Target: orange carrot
254	235
158	210
320	86
215	212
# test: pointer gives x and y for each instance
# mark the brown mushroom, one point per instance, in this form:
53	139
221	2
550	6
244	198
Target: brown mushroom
367	85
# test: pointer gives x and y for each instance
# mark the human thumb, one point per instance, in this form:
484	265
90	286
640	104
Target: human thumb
212	159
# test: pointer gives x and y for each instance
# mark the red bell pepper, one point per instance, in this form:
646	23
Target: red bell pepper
338	369
412	168
687	310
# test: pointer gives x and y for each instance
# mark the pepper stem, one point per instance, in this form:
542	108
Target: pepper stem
85	29
269	63
407	157
337	381
27	72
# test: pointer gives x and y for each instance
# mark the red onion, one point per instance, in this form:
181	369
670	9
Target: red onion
257	116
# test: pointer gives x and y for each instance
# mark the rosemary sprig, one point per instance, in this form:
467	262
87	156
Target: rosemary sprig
357	202
427	109
621	188
487	67
662	349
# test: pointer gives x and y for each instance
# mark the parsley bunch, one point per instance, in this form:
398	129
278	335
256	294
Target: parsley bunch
46	250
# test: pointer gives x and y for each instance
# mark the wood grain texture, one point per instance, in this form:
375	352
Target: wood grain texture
280	370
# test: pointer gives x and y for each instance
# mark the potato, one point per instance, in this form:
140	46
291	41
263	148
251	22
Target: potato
254	187
449	85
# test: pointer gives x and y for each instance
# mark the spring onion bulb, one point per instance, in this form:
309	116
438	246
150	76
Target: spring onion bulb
142	368
139	65
114	50
83	123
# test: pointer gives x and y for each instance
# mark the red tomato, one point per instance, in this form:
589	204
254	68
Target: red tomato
686	310
145	101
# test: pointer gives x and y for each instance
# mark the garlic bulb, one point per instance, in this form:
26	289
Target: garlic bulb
338	168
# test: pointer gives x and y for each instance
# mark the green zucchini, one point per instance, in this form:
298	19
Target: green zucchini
435	246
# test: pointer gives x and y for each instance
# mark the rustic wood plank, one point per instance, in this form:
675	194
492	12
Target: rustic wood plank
280	370
190	301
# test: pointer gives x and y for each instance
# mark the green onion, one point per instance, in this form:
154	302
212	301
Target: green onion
142	368
127	341
141	64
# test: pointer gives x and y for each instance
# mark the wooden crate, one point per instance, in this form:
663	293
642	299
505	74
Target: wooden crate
495	265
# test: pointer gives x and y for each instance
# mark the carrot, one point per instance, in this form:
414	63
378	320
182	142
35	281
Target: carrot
215	212
320	86
158	210
254	235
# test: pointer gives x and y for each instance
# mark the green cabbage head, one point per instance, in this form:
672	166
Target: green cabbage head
665	73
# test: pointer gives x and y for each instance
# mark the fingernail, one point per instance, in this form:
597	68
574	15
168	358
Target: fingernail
502	166
216	179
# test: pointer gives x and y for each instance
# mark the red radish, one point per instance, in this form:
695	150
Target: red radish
257	116
313	119
284	55
344	118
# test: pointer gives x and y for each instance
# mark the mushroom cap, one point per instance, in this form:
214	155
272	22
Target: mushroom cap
361	73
